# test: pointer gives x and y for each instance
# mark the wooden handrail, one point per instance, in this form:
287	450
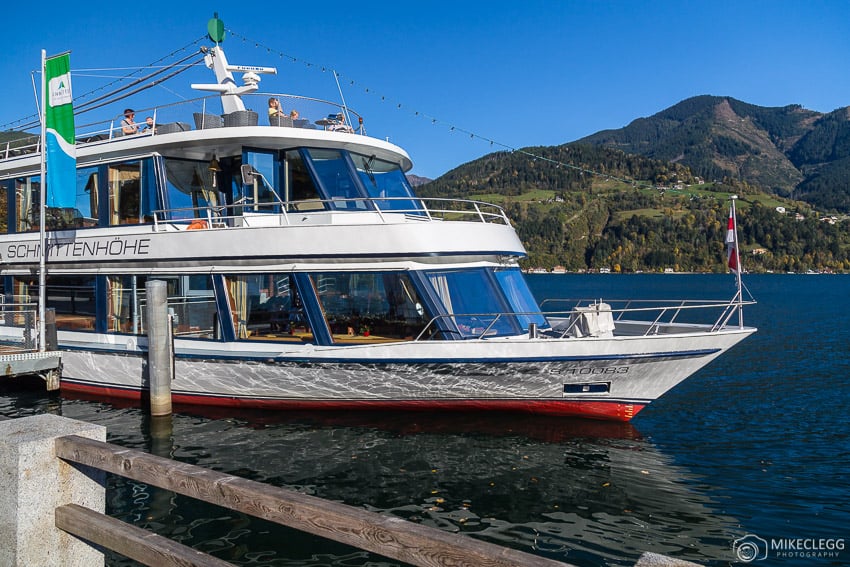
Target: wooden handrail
138	544
388	536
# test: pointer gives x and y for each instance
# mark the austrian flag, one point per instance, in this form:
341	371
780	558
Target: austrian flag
732	243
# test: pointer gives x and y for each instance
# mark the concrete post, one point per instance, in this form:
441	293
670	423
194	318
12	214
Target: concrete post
160	351
34	482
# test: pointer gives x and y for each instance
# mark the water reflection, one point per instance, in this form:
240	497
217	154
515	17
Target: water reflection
574	490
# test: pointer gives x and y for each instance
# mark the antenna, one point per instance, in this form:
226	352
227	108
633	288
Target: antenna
342	97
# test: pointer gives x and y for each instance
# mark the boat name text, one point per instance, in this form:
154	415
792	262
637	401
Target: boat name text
594	371
80	249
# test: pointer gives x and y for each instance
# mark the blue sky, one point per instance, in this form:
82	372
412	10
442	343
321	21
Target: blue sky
519	73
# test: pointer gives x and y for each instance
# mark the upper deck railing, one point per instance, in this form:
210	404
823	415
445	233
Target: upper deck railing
385	209
202	114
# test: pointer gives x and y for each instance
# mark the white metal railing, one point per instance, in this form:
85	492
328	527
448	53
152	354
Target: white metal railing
228	216
20	313
562	323
195	114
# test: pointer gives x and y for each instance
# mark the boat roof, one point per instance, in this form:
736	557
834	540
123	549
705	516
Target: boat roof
204	144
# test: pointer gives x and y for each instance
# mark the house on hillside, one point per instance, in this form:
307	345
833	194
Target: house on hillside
780	210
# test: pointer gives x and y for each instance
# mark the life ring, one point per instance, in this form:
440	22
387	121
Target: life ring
197	224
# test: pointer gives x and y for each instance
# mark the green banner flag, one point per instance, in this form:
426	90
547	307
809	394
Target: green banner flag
59	122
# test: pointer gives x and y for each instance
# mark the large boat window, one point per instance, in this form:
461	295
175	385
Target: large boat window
191	303
473	301
73	298
298	187
260	193
368	307
384	179
26	202
190	188
268	307
4	208
522	301
87	197
125	304
125	193
336	178
27	199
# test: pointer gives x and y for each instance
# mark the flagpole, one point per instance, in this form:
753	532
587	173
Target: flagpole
42	261
740	295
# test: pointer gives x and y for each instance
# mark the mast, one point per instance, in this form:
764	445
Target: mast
42	205
739	295
226	85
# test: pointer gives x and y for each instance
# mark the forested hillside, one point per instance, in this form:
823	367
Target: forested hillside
639	214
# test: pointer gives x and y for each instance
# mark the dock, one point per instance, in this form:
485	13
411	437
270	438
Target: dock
21	356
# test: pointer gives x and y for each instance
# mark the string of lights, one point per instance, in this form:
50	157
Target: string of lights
437	121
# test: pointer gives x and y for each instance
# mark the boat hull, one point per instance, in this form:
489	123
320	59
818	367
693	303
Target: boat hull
606	378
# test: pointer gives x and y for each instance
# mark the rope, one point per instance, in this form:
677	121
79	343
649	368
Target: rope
33	119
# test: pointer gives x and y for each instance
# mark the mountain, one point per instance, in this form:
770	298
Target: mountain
586	207
788	151
416	180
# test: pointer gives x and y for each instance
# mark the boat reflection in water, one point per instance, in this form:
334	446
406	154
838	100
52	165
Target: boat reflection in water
575	490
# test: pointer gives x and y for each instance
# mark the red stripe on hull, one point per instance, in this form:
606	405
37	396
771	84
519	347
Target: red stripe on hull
617	411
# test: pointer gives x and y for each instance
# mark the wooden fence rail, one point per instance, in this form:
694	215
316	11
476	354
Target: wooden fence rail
141	545
388	536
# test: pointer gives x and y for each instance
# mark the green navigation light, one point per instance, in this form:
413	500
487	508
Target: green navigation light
215	29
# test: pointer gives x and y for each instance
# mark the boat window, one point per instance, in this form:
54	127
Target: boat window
26	202
384	179
124	304
190	188
4	208
370	307
298	187
191	303
125	193
268	307
73	298
522	301
336	178
260	193
87	197
473	301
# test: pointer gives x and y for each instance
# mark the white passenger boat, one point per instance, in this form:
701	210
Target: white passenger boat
303	272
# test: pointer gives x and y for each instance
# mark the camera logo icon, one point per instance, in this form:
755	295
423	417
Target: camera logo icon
750	548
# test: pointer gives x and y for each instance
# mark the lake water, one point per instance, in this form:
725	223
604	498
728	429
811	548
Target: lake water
757	444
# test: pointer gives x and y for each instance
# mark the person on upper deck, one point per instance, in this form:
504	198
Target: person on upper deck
149	126
340	125
275	111
128	123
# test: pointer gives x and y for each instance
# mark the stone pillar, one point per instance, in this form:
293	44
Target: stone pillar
33	482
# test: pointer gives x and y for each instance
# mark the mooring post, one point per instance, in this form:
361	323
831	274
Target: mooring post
50	339
35	482
160	351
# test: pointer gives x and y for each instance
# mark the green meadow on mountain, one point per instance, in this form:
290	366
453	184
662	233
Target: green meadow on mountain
654	194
